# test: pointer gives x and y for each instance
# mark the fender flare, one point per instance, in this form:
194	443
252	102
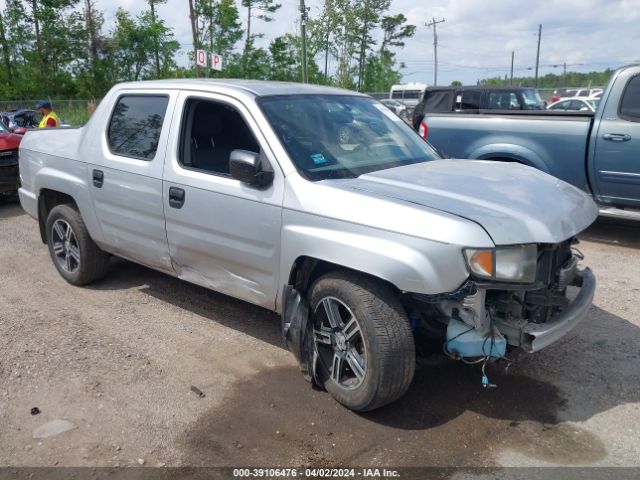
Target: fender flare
510	151
75	187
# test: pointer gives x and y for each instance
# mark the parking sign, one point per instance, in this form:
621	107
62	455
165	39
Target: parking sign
216	61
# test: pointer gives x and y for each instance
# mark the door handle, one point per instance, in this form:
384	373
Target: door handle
617	137
176	197
98	178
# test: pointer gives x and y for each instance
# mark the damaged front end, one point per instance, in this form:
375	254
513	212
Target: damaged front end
485	319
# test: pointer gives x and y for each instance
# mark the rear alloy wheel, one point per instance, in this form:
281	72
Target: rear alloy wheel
73	252
366	352
65	246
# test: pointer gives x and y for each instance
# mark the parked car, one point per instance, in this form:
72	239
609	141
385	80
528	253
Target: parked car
9	143
574	105
395	106
365	247
476	98
581	93
21	118
595	152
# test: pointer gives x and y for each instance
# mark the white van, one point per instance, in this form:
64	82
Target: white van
408	93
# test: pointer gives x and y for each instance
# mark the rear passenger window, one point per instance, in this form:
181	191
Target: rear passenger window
136	124
630	103
503	101
470	100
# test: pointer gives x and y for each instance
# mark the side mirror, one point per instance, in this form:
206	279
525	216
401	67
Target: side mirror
246	167
19	131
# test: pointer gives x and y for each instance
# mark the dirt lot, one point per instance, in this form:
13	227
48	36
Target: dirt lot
118	360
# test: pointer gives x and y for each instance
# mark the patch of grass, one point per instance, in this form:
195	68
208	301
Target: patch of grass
76	113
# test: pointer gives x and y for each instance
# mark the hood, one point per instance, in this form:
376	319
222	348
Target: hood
512	202
9	141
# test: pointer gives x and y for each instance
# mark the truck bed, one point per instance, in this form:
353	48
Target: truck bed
554	142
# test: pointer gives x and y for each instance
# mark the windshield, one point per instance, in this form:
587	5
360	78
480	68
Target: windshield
532	97
342	136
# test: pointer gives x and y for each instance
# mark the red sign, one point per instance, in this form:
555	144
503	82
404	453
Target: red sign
201	58
216	61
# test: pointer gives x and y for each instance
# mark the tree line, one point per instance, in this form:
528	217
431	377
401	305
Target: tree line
556	81
63	49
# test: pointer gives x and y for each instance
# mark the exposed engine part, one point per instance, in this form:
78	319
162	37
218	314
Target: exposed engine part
509	308
469	310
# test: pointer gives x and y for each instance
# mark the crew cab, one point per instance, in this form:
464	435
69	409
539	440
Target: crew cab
596	152
366	243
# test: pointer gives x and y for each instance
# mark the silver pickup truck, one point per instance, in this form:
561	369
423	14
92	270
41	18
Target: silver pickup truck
322	205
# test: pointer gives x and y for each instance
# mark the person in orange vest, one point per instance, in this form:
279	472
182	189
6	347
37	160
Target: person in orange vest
49	117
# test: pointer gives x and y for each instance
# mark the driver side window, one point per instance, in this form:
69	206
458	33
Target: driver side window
210	132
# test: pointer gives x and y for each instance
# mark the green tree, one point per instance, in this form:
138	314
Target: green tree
219	26
59	43
368	15
134	38
261	10
163	45
285	60
380	71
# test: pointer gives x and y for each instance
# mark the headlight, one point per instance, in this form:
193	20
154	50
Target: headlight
510	264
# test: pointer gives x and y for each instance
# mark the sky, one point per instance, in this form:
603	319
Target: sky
477	37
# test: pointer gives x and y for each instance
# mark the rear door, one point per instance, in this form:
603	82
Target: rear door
616	143
126	177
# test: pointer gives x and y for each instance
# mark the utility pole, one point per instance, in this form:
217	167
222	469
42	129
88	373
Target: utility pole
564	74
194	33
303	23
327	8
511	81
433	24
538	54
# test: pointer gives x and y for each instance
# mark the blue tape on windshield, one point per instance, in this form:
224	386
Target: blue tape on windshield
318	158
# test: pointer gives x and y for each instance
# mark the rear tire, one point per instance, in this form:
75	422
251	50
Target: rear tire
367	352
75	255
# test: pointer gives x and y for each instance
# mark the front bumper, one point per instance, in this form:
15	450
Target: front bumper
9	181
536	336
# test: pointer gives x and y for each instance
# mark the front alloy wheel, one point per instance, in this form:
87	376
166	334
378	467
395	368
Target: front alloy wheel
366	354
339	342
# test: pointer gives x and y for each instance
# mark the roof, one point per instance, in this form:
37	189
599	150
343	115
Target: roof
258	88
481	87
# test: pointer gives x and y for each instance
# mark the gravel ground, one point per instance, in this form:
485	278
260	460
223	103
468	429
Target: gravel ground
118	360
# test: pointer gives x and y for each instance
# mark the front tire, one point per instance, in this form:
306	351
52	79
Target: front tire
75	255
366	351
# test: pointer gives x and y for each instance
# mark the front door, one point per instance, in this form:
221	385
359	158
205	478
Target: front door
616	143
223	234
